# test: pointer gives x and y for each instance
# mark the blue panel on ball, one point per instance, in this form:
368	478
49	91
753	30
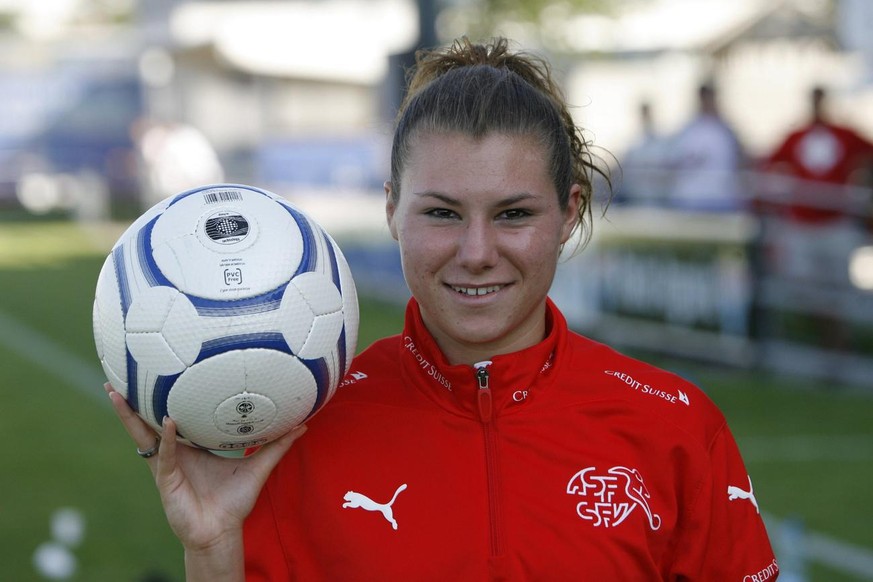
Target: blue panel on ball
147	264
161	395
262	303
320	371
309	260
341	350
183	195
124	295
132	388
121	278
268	340
335	272
341	343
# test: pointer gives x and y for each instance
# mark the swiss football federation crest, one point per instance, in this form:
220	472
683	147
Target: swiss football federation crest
608	498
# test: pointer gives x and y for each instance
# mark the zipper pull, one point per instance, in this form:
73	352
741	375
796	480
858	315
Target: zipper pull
483	395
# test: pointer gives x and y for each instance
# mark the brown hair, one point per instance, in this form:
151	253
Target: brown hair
477	89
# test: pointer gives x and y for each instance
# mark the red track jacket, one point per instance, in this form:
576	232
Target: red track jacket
565	461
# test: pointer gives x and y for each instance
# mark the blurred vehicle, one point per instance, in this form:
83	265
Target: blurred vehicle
355	162
67	143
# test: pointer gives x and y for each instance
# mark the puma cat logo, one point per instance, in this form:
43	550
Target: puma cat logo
737	493
355	500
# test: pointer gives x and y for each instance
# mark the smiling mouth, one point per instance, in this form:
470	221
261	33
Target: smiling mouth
476	291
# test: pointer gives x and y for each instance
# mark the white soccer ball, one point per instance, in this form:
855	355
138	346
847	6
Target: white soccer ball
229	310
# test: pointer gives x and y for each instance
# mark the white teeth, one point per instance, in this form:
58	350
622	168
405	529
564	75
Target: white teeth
473	291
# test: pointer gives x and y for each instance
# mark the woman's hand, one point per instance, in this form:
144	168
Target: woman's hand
206	497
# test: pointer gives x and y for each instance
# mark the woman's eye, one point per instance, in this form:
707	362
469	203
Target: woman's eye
441	213
515	214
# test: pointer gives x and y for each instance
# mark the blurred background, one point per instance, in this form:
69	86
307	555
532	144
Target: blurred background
737	250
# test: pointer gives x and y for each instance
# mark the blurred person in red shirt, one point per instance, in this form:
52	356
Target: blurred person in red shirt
814	206
812	186
820	155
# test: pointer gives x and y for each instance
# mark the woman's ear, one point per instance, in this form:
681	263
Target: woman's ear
571	214
390	207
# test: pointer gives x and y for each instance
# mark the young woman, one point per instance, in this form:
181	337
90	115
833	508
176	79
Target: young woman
487	441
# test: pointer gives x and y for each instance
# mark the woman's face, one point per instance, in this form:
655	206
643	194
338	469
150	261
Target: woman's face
480	228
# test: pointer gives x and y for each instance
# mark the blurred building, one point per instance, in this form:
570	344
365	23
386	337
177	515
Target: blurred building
263	81
289	94
764	56
297	96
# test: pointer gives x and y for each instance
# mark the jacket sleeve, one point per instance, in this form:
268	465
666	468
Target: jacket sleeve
723	536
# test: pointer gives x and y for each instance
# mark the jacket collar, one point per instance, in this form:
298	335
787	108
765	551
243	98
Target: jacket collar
513	378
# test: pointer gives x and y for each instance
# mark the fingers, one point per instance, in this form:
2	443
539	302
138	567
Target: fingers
167	450
270	454
141	433
164	462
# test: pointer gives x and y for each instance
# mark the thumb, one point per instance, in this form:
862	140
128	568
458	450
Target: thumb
268	456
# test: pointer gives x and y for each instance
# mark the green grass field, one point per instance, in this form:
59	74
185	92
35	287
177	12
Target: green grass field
809	448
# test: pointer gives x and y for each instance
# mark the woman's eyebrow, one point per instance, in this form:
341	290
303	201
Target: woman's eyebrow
444	198
451	201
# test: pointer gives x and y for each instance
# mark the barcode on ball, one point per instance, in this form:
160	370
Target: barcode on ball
222	196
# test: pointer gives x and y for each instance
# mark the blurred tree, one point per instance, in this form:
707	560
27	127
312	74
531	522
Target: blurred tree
106	11
529	21
6	20
526	21
530	10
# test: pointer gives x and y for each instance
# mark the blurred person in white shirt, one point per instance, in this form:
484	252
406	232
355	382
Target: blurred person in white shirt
644	175
706	158
175	157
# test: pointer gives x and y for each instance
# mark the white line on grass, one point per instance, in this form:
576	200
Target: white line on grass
839	555
796	546
45	353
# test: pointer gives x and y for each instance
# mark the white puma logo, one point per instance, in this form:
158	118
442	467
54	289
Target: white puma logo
355	500
737	493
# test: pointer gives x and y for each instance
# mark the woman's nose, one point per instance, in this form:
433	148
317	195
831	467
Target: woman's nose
477	247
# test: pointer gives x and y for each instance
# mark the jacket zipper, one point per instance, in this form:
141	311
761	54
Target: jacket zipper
485	405
483	395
